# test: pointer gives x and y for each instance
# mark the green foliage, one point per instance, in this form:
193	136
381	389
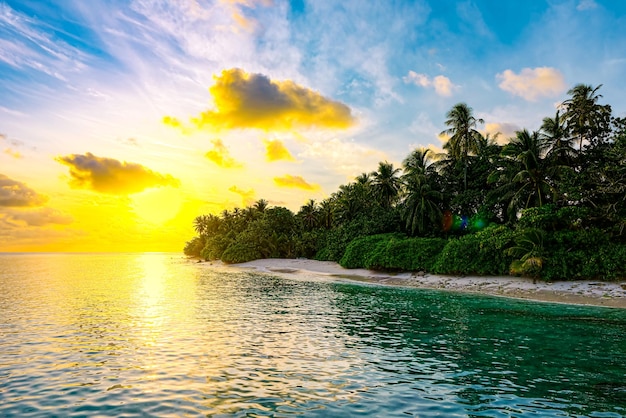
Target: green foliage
481	253
529	252
193	247
216	245
359	251
408	254
240	252
336	241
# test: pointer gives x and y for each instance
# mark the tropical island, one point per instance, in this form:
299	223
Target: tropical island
548	204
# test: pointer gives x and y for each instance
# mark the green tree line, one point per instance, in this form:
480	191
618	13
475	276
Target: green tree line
549	204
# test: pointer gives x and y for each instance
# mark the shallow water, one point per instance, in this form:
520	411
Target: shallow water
155	335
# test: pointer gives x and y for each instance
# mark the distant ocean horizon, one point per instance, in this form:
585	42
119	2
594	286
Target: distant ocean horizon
152	334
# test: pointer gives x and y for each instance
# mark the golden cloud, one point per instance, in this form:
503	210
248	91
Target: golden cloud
296	182
533	83
107	175
275	151
244	101
221	156
16	194
247	197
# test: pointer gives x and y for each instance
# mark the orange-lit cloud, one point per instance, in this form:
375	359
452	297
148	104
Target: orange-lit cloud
244	101
442	84
296	182
107	175
505	129
275	151
17	194
247	197
221	156
533	83
237	14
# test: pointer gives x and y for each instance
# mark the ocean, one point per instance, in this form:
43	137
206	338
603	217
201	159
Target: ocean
139	335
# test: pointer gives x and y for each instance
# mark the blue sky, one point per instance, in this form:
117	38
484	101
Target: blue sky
96	79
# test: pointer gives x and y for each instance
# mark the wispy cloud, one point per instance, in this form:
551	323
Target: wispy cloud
533	83
36	217
586	5
296	182
107	175
244	100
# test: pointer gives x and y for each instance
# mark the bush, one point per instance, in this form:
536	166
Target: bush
409	254
240	252
361	249
482	253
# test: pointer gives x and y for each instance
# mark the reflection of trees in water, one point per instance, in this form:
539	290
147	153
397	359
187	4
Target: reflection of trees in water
488	348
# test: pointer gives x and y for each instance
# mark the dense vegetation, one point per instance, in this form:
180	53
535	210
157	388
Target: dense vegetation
549	204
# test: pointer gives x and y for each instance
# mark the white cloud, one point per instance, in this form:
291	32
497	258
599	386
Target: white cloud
532	83
442	84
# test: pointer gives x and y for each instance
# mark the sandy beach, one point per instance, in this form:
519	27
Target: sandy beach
611	294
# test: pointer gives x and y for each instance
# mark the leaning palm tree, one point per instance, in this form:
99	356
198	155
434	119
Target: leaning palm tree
386	183
462	135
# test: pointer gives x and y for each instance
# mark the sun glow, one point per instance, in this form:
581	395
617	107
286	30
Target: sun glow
157	205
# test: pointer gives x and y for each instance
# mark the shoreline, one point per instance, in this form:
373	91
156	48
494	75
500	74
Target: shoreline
593	293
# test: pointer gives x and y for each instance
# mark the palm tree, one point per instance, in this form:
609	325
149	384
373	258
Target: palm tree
560	145
386	184
309	214
420	206
585	118
260	205
462	134
418	161
525	177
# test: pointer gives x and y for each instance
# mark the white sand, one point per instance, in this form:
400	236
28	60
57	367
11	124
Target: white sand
575	292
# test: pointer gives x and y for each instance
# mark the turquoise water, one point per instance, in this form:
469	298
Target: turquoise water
155	335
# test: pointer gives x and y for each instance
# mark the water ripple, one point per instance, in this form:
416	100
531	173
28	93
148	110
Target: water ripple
154	335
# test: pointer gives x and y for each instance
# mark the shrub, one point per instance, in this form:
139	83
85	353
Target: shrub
481	253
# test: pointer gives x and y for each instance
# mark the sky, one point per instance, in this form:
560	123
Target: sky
123	120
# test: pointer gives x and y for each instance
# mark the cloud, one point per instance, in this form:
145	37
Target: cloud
37	217
505	129
343	156
295	182
533	83
221	156
16	194
107	175
275	151
586	5
244	101
247	196
442	84
13	153
12	149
